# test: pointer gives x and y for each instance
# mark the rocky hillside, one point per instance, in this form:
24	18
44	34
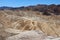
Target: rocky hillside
46	9
13	22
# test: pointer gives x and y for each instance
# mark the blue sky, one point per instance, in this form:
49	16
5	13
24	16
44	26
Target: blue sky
18	3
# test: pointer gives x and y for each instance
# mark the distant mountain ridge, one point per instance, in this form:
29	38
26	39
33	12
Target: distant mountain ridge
5	7
47	9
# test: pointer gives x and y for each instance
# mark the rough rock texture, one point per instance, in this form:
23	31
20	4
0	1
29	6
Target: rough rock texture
32	35
28	35
27	21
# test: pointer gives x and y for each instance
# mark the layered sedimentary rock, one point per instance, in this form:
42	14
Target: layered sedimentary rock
27	21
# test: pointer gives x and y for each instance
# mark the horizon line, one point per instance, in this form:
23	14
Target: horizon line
28	5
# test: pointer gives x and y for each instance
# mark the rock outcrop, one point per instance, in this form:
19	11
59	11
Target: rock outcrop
28	35
13	22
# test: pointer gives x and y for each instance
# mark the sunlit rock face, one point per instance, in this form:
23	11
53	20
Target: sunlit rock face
32	35
12	23
28	35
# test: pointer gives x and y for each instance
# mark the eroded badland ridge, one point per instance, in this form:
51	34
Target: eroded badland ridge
28	21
